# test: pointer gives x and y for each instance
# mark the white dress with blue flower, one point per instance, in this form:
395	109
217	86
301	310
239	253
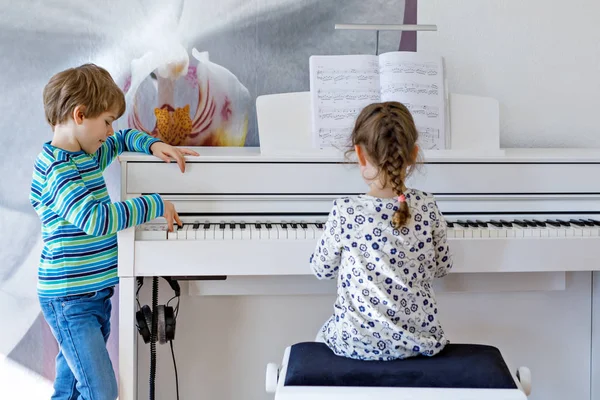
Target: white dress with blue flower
385	307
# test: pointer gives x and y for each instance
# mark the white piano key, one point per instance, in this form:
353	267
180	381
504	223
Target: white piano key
172	235
244	228
312	232
228	234
293	231
255	233
281	233
189	232
220	231
238	232
268	233
209	232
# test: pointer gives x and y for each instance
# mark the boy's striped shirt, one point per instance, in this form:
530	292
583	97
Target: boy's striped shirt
79	222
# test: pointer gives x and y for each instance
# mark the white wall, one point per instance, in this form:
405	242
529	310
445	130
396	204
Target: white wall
539	58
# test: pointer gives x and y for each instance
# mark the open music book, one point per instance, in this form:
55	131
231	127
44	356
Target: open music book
341	86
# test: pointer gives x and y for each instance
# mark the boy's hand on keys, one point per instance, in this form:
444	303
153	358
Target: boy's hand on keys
167	152
171	215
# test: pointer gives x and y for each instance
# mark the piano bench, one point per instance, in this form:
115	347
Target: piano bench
310	370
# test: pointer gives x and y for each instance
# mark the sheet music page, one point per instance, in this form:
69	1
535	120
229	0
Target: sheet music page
417	81
340	87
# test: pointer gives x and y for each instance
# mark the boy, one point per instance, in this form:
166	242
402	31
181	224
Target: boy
78	266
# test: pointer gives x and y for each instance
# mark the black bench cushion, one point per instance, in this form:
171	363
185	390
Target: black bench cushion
457	366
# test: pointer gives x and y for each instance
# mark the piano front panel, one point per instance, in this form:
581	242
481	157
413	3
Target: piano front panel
319	178
244	178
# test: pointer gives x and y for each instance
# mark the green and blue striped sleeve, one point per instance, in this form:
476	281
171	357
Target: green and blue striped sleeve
123	140
66	194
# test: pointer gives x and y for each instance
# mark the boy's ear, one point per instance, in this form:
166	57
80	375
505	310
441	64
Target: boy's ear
78	114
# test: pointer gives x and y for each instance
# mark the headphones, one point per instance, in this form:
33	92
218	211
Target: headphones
165	315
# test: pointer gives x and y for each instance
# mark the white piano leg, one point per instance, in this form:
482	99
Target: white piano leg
127	340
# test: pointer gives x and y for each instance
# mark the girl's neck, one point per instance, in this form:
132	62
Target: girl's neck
385	192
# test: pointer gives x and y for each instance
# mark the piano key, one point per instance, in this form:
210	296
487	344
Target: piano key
172	235
245	231
322	226
209	232
533	229
229	231
196	226
588	229
181	235
312	232
553	223
482	224
190	234
293	231
237	232
254	232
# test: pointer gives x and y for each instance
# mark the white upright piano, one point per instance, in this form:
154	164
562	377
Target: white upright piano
524	228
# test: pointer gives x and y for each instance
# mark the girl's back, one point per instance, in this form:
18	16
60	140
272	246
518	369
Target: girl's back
384	248
385	308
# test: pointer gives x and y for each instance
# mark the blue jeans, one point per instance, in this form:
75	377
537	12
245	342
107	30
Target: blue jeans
81	326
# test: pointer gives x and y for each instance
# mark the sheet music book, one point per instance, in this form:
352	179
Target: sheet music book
341	86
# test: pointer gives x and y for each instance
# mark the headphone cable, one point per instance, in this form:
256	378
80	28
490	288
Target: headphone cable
175	367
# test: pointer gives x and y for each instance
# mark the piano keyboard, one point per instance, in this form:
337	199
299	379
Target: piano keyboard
457	228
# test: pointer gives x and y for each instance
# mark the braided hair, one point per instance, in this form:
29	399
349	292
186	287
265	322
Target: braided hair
387	133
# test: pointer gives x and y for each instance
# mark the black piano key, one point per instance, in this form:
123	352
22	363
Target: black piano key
497	224
593	221
539	223
319	226
481	223
563	223
206	226
242	226
506	223
268	226
555	224
258	226
586	222
577	222
472	224
294	226
530	223
196	226
462	223
221	226
520	223
304	226
284	226
232	226
450	224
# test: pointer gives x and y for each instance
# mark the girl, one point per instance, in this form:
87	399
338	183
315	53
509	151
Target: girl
384	248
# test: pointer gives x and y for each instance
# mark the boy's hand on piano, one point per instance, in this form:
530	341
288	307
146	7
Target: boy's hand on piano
167	152
171	215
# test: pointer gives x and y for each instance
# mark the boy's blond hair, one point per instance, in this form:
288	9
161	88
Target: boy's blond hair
87	85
